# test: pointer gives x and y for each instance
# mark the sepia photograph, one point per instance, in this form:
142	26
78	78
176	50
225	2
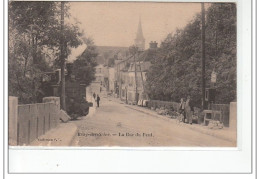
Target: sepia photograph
122	74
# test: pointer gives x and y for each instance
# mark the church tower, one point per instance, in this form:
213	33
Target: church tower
139	40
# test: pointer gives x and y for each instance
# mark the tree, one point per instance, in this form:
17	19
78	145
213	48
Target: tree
34	29
133	50
84	65
35	21
178	73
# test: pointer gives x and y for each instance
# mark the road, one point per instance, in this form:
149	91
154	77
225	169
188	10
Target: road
115	124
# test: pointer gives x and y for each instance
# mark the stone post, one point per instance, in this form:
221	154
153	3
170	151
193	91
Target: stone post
12	120
54	99
233	116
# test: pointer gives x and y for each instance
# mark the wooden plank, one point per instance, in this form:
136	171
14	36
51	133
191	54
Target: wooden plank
23	120
54	115
48	118
33	122
40	116
56	112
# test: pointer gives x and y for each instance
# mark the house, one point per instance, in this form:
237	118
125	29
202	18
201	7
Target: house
111	79
131	74
99	74
135	81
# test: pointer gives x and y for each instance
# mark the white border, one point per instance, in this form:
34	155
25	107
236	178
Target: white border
171	160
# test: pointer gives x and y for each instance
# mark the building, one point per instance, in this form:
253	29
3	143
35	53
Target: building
106	78
131	74
121	67
99	74
111	79
127	77
135	82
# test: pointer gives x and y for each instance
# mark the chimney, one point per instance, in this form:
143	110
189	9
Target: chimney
153	45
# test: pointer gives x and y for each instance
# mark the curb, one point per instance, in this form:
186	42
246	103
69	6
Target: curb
192	127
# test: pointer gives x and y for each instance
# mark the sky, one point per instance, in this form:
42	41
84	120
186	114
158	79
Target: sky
115	23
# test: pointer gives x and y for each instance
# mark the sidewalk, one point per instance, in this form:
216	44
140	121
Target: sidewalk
224	133
62	135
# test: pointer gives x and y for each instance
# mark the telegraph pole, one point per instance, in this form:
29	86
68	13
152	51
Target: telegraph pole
62	59
203	53
135	80
141	76
134	50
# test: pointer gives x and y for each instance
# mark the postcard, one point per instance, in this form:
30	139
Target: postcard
106	75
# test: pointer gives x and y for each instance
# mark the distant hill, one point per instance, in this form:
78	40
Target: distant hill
107	52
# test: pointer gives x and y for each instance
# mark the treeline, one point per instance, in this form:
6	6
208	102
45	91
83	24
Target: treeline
178	73
34	45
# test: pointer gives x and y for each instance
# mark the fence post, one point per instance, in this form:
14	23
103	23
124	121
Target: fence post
12	120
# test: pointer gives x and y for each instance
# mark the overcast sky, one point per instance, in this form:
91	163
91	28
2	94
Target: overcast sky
115	23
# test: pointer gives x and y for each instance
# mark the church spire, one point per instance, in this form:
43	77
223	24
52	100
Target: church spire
139	40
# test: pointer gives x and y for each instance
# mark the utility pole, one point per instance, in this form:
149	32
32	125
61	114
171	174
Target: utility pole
62	59
135	80
141	76
203	53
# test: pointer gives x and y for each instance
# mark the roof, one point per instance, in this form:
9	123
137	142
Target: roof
124	60
147	55
102	49
140	66
145	58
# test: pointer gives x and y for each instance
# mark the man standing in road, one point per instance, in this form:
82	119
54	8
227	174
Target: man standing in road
182	110
98	99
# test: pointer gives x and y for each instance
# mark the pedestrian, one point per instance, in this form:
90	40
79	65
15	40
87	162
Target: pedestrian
182	110
94	96
98	99
189	110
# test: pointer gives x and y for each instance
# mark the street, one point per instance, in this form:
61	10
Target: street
115	124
